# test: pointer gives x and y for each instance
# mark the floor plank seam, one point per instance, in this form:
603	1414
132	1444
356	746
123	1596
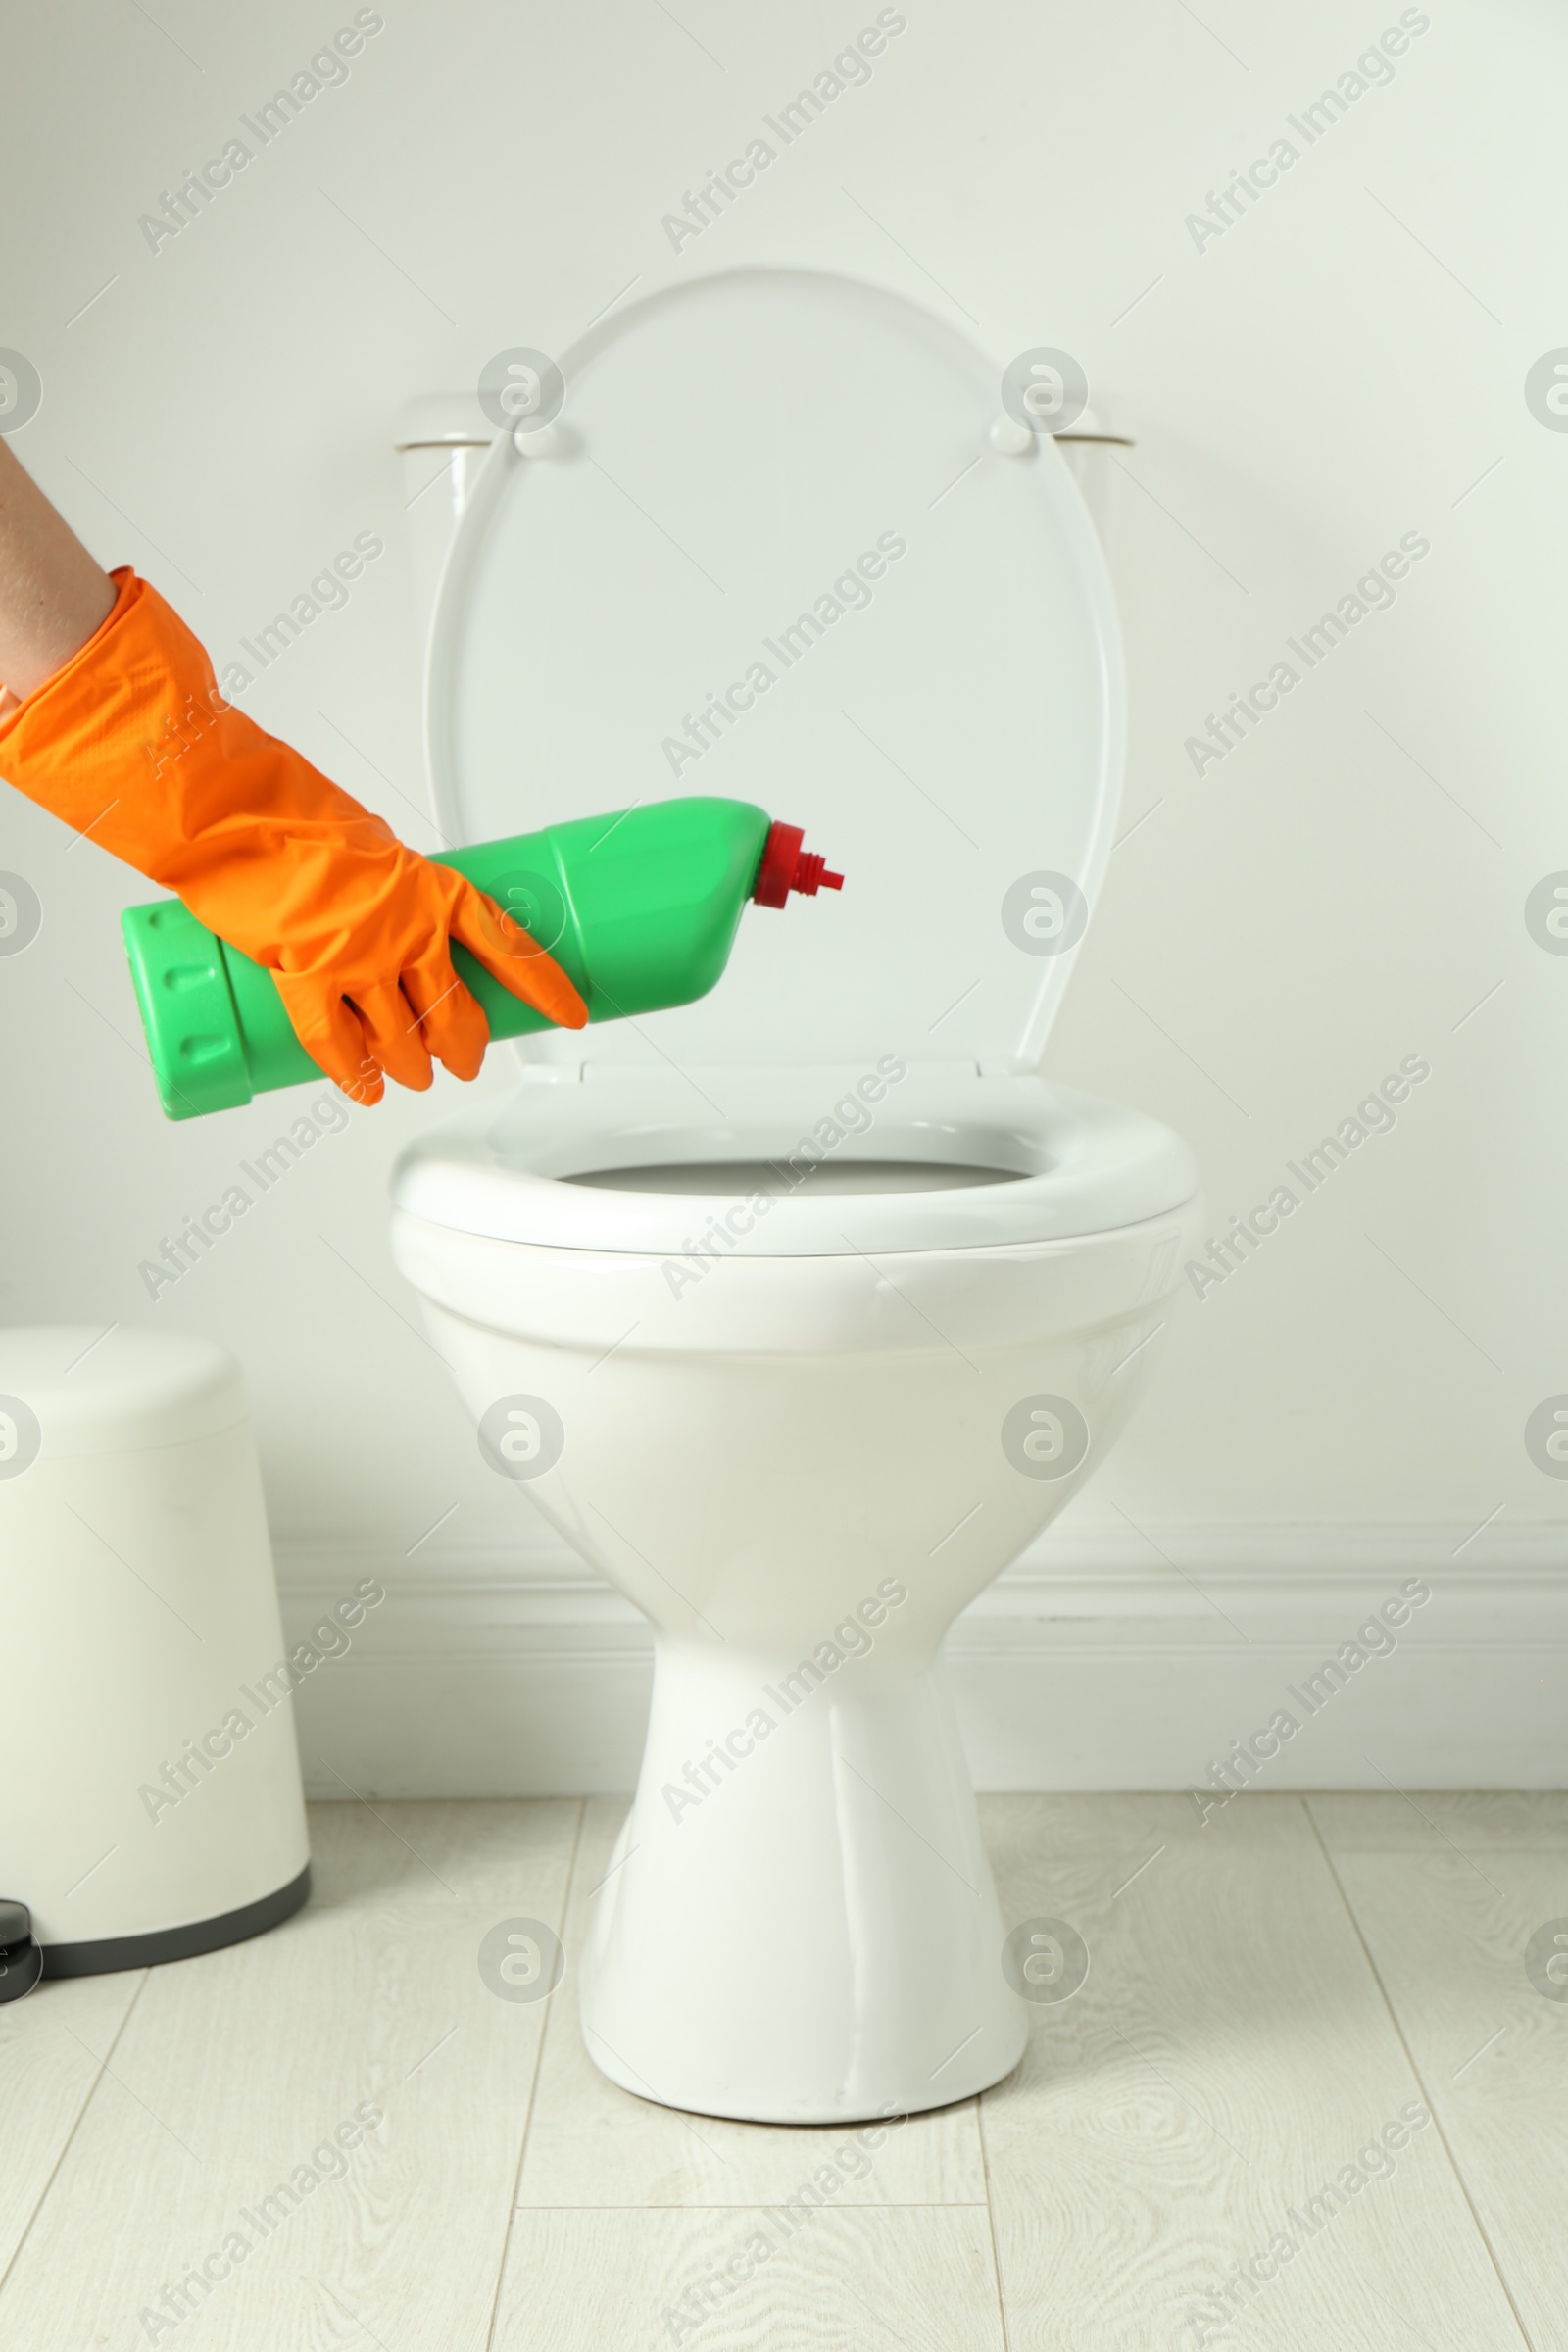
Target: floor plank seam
1454	2165
88	2095
990	2219
534	2089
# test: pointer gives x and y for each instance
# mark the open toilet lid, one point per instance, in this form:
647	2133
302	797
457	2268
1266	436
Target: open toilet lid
780	487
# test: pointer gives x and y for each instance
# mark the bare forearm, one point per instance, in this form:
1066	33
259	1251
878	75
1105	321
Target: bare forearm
53	596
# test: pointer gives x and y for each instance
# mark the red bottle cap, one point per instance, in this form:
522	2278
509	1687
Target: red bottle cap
786	866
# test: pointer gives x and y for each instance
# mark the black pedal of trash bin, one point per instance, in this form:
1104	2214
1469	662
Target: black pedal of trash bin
21	1960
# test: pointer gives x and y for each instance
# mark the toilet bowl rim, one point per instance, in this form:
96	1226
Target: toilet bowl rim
628	1308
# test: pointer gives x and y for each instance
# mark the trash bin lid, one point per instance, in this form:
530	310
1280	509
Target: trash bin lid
94	1388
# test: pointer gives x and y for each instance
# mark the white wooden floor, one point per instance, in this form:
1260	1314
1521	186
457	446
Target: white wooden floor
1266	1993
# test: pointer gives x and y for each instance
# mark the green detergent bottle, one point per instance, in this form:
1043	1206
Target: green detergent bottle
639	907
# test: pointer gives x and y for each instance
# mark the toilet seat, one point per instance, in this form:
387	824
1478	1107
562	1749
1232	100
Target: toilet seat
773	547
1073	1165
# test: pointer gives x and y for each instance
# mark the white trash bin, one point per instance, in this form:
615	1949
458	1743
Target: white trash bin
151	1805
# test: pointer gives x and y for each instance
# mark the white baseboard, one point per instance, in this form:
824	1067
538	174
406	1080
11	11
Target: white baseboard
1104	1659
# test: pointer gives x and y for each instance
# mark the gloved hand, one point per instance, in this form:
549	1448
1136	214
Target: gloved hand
131	742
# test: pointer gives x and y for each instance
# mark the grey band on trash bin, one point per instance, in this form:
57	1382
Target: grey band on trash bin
111	1952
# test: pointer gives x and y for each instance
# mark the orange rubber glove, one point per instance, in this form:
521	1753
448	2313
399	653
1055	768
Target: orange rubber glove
131	742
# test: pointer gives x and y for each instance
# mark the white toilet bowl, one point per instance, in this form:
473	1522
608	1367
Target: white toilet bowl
801	1310
801	1448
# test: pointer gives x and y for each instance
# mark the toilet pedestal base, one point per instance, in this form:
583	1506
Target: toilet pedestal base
799	1923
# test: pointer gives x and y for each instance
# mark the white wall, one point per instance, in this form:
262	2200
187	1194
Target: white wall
1343	366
